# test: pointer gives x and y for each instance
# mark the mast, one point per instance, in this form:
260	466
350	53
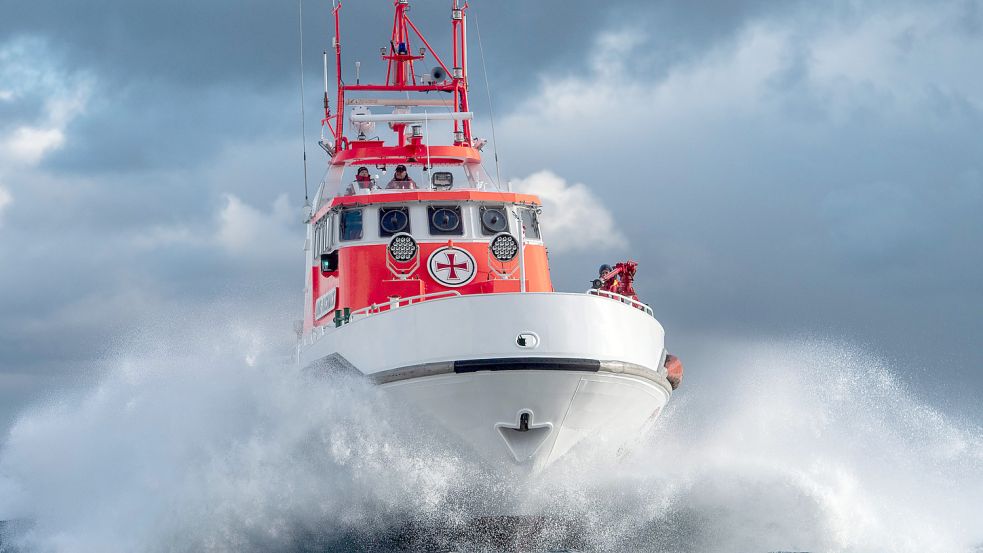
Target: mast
340	106
401	60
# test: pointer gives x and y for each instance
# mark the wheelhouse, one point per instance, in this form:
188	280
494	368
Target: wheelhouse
381	248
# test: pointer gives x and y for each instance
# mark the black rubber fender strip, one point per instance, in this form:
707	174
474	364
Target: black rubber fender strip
527	364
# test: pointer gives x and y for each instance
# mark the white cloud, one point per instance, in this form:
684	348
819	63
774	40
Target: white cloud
27	145
572	107
5	200
26	71
249	233
896	65
573	217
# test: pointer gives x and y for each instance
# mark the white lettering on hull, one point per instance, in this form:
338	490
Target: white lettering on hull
325	304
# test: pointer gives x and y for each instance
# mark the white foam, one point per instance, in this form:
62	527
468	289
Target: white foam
187	446
806	446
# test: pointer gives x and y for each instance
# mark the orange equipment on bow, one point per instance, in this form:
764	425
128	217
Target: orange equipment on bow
619	279
674	370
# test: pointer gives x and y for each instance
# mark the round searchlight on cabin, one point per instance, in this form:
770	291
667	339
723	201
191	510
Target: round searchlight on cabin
504	247
402	247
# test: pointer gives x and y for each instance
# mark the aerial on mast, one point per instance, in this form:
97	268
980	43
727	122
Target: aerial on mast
401	77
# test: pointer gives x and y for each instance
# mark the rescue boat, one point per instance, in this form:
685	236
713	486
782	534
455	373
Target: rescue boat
435	282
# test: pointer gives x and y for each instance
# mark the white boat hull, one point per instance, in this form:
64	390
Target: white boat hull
591	373
564	408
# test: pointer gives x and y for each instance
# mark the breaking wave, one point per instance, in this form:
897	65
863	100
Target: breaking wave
209	445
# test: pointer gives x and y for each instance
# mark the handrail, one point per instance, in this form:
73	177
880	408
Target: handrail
390	305
412	117
318	332
623	299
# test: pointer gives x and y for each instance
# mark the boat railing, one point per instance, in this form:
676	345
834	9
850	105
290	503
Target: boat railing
398	302
319	331
623	299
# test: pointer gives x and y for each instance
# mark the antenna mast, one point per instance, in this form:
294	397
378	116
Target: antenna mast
491	110
303	117
400	55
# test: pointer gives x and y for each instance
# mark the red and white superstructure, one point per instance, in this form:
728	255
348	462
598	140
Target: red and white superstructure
435	281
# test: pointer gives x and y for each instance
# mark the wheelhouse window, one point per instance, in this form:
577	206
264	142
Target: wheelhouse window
445	220
493	220
323	240
351	224
530	222
393	220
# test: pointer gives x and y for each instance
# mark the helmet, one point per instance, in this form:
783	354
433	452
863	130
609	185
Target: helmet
604	269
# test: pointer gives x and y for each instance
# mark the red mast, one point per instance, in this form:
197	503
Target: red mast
401	77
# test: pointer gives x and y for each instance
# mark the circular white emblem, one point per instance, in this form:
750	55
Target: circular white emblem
451	266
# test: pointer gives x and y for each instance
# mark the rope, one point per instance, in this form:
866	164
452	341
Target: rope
303	117
491	110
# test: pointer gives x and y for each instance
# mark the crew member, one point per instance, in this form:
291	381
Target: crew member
401	180
600	283
362	179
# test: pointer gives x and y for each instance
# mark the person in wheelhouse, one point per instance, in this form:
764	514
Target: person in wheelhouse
401	180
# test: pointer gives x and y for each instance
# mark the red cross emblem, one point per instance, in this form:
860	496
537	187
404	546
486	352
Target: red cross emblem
451	266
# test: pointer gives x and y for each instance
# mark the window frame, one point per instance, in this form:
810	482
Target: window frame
481	219
321	235
533	213
343	224
434	231
383	233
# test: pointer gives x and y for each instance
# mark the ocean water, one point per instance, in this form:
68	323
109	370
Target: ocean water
209	441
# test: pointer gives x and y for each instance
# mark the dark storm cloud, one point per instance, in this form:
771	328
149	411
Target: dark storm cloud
838	209
821	177
255	42
191	42
152	126
17	112
173	78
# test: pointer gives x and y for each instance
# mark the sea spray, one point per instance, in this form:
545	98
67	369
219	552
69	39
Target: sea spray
193	446
801	445
204	442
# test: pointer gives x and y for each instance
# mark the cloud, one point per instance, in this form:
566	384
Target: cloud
163	236
5	200
27	145
890	67
780	162
574	219
819	170
61	95
762	143
251	234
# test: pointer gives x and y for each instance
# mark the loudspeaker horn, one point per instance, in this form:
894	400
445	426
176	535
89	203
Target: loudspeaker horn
437	74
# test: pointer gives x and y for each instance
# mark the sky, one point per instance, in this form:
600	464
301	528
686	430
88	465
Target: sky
778	169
